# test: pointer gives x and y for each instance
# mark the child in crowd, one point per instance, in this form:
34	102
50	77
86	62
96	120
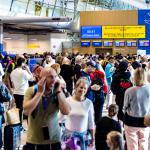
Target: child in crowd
104	126
115	140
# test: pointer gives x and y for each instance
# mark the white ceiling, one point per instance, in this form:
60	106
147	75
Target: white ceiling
141	4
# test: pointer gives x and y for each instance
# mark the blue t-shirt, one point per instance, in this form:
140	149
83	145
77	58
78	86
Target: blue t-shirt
109	71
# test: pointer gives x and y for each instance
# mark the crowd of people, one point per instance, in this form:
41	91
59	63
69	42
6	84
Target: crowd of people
64	95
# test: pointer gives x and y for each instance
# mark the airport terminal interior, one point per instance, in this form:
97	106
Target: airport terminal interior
74	74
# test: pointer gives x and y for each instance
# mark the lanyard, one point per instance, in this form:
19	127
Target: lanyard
44	103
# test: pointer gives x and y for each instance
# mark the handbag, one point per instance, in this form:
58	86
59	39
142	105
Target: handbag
12	116
147	120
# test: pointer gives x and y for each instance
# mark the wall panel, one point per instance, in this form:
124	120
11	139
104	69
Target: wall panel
111	17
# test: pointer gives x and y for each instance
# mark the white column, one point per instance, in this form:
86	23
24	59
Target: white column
1	37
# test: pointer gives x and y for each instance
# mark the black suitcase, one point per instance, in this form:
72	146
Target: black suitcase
12	137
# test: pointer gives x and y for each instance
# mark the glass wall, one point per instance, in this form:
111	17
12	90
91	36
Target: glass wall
59	7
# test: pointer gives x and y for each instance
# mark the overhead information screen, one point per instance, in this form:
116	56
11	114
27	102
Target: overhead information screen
119	43
85	43
91	32
97	43
131	43
112	32
143	42
134	31
108	43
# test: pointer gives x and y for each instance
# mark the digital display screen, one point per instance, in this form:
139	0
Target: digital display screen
131	43
112	32
134	31
108	43
97	43
119	43
85	43
91	32
143	42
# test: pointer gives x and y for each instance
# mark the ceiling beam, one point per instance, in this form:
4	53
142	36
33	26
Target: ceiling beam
12	1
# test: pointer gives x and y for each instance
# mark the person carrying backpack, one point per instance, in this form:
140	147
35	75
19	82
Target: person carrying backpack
97	78
120	83
42	107
97	89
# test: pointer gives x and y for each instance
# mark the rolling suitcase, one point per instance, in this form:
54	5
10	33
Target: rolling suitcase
12	137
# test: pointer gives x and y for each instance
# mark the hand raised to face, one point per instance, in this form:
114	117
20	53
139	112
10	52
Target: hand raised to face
41	85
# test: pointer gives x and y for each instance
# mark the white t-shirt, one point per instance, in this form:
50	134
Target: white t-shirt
20	78
45	65
81	116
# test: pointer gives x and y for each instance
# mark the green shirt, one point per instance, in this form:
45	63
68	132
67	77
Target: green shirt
47	117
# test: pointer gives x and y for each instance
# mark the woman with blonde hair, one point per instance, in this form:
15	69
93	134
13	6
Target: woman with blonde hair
136	106
57	68
81	117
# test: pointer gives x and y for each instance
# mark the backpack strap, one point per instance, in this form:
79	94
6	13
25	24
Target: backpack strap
35	89
34	113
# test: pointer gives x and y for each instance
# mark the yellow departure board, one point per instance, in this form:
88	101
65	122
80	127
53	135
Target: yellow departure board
112	32
33	46
134	31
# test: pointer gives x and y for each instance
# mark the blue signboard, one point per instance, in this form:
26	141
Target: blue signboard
1	47
33	61
12	55
3	53
91	32
85	43
97	44
144	19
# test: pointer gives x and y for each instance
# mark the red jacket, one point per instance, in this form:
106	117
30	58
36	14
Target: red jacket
101	75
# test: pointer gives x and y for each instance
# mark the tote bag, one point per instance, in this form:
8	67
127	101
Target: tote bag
12	116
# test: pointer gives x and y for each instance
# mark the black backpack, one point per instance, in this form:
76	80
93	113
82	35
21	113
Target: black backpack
97	80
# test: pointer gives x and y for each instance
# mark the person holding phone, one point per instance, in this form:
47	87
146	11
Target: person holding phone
20	80
42	108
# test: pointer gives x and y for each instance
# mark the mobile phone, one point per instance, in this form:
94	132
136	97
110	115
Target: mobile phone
45	132
56	85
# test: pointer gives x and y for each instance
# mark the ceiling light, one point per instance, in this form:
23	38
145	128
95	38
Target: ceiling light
7	38
33	39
